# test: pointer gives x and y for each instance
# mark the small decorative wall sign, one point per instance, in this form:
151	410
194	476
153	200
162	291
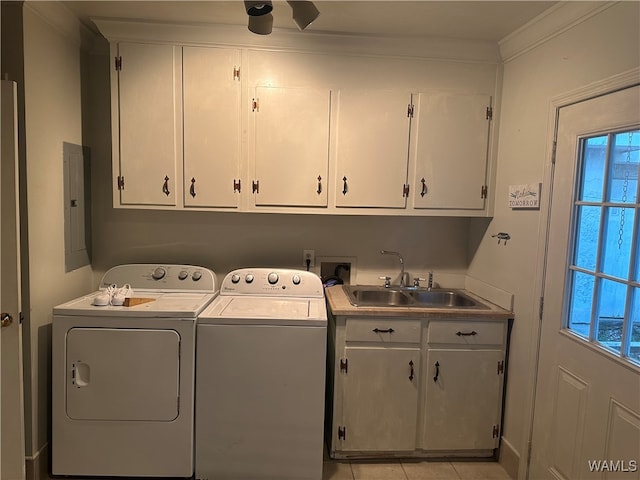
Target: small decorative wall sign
525	196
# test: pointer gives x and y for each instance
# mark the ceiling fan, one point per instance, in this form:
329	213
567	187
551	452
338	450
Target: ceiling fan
261	19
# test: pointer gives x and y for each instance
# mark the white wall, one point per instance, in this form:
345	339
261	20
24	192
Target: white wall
53	114
593	50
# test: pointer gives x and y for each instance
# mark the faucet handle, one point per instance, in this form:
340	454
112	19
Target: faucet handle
417	280
387	281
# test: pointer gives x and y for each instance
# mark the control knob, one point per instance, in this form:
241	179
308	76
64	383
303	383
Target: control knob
183	274
249	278
295	279
235	278
272	278
197	275
159	273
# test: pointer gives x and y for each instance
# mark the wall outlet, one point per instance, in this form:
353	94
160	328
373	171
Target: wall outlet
308	255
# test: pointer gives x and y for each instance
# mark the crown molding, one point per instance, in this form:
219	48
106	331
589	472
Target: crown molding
549	24
445	49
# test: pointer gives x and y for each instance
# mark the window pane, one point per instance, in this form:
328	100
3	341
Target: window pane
612	298
581	302
616	256
634	350
593	167
587	237
623	168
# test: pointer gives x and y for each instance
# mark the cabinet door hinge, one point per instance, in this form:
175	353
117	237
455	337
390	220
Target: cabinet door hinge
410	111
344	365
342	433
484	191
256	186
405	190
489	113
118	63
255	105
541	307
120	183
500	367
236	73
236	185
495	432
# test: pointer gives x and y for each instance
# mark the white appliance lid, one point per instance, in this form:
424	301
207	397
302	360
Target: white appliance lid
254	310
163	305
267	307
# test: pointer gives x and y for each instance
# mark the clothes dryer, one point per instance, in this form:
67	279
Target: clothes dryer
260	377
123	376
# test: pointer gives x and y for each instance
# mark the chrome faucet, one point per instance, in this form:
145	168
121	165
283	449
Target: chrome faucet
403	279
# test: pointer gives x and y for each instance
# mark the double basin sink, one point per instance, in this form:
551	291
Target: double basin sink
372	296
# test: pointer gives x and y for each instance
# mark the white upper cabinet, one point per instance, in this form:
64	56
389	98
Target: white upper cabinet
451	151
290	146
208	126
211	116
147	129
372	148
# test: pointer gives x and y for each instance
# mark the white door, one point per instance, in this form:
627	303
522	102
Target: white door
463	390
450	152
211	115
291	146
109	379
11	390
149	99
372	148
587	406
380	399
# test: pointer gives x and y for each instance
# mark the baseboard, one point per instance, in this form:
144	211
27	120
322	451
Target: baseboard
509	459
37	465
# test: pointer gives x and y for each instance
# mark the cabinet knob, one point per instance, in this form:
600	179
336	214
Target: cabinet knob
5	319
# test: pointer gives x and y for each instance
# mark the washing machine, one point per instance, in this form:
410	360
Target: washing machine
260	377
123	373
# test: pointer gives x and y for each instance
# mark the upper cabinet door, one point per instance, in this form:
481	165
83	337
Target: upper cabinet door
372	148
211	115
290	146
148	90
451	151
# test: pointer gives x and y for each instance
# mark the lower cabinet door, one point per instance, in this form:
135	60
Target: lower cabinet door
380	399
462	399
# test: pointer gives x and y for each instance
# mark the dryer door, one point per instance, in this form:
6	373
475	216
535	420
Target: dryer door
122	374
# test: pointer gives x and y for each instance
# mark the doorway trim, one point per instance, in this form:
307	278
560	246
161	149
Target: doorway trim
612	84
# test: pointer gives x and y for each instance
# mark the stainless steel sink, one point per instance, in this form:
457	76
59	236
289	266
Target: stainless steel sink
377	296
372	296
443	299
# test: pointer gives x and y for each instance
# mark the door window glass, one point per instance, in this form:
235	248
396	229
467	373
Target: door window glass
604	274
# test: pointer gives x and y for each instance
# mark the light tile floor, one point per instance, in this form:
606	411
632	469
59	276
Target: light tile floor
412	470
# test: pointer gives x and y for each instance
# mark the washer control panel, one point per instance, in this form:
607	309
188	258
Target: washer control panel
161	277
272	281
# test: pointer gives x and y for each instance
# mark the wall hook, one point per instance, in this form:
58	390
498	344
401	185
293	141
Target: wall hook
502	236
